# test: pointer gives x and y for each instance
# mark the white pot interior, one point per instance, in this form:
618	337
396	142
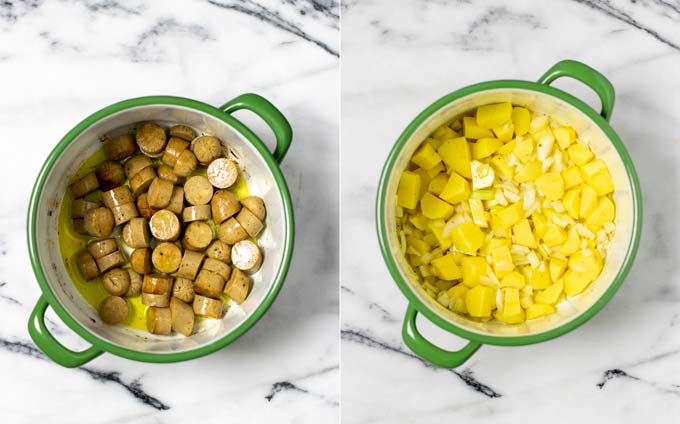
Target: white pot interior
260	181
565	113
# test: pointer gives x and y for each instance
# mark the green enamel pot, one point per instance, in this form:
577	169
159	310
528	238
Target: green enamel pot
260	169
592	126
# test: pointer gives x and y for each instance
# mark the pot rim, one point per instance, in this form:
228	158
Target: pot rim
161	357
383	232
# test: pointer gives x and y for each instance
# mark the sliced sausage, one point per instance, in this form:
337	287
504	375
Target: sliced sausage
231	232
120	147
164	225
249	222
135	283
209	283
256	206
157	284
80	206
198	190
207	307
216	266
110	174
206	148
140	260
135	164
183	132
172	151
79	226
176	200
159	300
166	257
167	173
151	139
197	236
124	213
99	222
224	205
141	180
196	213
219	250
143	207
238	286
113	310
222	172
136	233
160	192
159	320
101	248
182	316
111	260
117	196
116	281
246	256
185	164
84	185
87	265
191	263
183	289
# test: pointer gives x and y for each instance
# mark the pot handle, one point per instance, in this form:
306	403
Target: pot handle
587	75
48	344
429	352
270	114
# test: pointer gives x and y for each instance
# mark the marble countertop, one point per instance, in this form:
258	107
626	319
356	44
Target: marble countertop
622	366
61	61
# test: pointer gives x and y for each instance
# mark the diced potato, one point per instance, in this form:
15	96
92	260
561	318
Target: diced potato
508	147
513	279
538	122
482	175
511	305
509	319
554	235
424	180
572	176
479	215
523	235
565	136
551	185
456	189
572	202
604	212
472	130
602	182
593	167
456	154
473	268
408	191
467	237
521	118
426	157
504	132
580	154
550	295
494	115
575	282
444	133
437	228
437	183
485	147
545	144
556	267
540	278
418	245
419	221
587	262
530	171
540	224
446	268
434	142
511	215
500	164
457	295
480	301
502	261
573	242
492	244
430	239
524	148
434	208
538	310
588	201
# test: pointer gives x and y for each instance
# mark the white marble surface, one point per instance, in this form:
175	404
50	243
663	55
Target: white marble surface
61	61
622	366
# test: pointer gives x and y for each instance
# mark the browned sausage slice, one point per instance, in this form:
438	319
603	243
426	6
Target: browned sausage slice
246	256
160	192
222	172
209	284
80	206
174	148
167	173
191	263
224	205
231	232
206	148
183	132
159	321
116	281
124	213
87	265
135	283
249	222
196	213
197	236
164	225
99	222
182	316
151	139
117	196
111	260
136	233
113	310
256	206
110	174
159	300
84	185
120	147
238	286
141	180
207	307
198	190
79	226
140	260
157	284
183	289
219	250
135	164
176	200
185	164
143	207
218	267
166	257
102	248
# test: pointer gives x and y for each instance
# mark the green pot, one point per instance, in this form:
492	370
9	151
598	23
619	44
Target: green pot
261	171
541	97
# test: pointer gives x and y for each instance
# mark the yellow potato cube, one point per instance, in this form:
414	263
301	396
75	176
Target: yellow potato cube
467	237
446	268
572	244
434	208
437	228
480	301
434	142
587	262
491	116
472	130
430	239
554	235
572	176
521	118
444	133
523	234
565	136
551	185
456	154
511	215
479	215
502	261
437	183
514	279
572	202
419	221
500	164
524	148
485	147
530	171
538	310
550	295
540	224
588	201
473	267
493	244
509	319
604	212
602	182
457	296
538	123
511	305
593	167
540	278
457	189
418	245
580	154
424	180
408	191
426	157
526	300
508	147
504	132
556	267
436	170
575	282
